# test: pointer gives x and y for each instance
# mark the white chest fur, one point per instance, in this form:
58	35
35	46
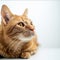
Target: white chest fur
25	39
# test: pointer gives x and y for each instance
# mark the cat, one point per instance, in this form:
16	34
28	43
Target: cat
17	35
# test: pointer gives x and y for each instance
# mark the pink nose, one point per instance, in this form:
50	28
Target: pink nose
30	28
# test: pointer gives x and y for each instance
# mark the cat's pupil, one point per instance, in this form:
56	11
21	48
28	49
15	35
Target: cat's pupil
21	24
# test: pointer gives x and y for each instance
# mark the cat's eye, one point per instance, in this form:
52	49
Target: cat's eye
21	24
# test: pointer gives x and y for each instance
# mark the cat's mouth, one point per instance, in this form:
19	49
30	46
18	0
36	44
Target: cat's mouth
28	33
26	36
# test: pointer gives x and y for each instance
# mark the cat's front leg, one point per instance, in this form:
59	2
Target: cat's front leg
27	54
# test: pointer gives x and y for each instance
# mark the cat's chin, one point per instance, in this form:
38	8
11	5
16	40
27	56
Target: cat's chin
25	39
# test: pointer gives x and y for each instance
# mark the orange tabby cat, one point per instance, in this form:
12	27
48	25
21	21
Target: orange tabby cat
17	35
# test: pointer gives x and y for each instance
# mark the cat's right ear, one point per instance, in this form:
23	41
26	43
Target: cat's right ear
6	14
25	12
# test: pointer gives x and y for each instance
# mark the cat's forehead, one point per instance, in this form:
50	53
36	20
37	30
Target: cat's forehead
16	17
20	18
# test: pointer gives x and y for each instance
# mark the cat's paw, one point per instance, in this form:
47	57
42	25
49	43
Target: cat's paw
25	55
33	52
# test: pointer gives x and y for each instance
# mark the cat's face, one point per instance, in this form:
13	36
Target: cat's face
16	26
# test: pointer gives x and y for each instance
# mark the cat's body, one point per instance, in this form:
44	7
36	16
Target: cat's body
17	35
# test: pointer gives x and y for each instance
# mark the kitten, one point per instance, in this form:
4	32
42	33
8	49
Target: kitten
17	35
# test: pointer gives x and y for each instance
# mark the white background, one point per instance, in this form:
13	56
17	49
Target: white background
46	18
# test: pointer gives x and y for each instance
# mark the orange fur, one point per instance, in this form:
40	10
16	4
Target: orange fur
13	26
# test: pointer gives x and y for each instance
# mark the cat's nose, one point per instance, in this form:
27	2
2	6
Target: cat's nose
30	27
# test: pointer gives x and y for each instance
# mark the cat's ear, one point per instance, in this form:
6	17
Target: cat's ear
25	12
6	14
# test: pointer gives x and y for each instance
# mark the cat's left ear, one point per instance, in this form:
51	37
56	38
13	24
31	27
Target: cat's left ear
6	14
25	12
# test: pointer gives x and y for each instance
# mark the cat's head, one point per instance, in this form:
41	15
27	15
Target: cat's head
14	25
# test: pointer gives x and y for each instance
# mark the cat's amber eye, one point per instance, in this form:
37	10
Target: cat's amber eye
21	24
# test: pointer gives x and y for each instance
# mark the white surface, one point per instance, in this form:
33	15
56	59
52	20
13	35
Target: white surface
45	16
44	54
47	54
